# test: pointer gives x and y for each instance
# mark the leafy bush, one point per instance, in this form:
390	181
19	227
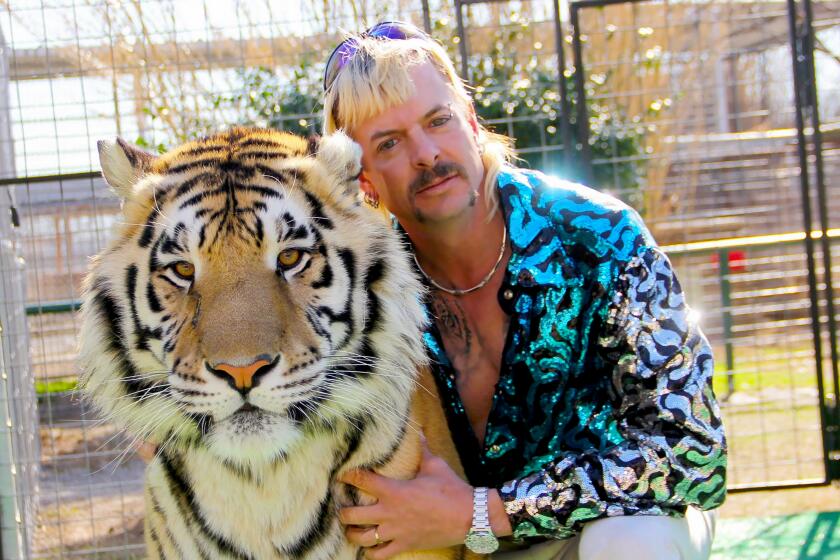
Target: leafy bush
522	99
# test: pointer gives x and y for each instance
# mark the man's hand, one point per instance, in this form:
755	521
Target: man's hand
434	510
146	451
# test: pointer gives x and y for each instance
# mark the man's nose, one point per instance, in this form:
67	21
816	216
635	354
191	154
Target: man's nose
426	151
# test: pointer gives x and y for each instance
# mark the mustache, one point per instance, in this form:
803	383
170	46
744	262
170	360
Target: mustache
428	176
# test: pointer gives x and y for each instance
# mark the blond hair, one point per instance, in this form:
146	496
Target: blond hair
377	76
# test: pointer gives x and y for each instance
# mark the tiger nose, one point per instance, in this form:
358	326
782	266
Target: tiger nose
243	378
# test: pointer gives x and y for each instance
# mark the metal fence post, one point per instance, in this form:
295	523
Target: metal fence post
726	313
806	59
799	56
19	444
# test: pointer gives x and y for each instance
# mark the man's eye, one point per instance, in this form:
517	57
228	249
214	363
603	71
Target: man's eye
440	121
386	145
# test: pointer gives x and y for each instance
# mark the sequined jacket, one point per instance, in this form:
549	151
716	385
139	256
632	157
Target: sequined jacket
604	404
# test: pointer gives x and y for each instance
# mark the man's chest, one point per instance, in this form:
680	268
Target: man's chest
473	332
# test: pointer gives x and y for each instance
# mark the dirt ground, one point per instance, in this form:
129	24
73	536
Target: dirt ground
90	499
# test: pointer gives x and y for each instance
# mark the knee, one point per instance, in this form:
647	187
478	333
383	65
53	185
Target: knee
633	538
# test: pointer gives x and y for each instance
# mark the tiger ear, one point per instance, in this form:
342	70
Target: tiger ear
343	158
123	164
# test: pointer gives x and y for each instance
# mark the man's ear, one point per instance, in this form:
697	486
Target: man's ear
123	165
472	118
366	186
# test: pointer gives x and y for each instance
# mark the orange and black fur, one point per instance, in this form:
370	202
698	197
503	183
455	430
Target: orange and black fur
263	329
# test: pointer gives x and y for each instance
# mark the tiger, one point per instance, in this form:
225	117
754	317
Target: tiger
262	328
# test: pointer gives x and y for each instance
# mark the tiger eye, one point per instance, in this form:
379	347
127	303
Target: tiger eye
184	269
289	258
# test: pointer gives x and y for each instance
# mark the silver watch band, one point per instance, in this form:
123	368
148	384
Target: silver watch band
480	538
481	517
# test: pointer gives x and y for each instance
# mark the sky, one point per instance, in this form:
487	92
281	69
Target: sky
56	121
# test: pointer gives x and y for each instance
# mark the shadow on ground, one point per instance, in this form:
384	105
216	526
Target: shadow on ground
805	536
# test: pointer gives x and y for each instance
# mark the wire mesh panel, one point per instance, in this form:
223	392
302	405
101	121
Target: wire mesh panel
156	73
19	442
90	490
710	84
689	106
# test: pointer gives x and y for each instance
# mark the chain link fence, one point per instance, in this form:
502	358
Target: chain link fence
691	117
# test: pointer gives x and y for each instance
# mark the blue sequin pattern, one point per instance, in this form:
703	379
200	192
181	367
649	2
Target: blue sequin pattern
604	404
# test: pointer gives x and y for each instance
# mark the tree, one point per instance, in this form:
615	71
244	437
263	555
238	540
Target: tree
518	96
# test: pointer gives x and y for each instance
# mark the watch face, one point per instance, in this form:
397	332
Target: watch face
483	542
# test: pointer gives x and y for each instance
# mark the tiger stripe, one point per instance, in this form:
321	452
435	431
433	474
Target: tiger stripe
337	332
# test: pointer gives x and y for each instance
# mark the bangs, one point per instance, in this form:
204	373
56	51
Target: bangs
376	78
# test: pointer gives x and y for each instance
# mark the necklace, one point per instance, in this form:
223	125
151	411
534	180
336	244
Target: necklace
456	291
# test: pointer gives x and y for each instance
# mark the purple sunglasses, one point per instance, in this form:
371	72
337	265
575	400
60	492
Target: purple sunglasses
345	50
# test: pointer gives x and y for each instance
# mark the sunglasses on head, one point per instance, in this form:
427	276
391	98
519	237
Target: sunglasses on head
345	50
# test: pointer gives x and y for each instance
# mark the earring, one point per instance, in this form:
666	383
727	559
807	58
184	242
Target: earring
372	200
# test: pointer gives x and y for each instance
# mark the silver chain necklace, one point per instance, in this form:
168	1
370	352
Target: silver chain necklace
456	291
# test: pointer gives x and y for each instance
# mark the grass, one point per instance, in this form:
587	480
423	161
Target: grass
51	386
769	367
814	535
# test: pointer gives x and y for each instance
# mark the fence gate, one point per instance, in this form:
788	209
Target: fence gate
713	106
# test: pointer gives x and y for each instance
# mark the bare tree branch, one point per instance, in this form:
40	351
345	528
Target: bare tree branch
821	47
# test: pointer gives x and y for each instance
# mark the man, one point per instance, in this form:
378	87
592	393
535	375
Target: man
577	388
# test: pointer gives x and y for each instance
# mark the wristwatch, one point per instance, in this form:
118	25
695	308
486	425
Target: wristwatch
480	538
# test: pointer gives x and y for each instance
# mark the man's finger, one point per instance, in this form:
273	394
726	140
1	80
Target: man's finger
366	481
383	552
424	446
146	451
429	462
355	535
360	515
363	536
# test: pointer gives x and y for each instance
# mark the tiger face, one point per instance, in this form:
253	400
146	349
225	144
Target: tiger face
247	299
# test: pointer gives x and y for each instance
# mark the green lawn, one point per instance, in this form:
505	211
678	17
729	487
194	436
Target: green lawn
55	385
806	536
757	368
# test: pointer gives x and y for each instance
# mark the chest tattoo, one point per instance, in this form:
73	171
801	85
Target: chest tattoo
452	322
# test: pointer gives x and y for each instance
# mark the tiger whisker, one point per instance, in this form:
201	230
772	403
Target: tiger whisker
370	359
140	377
383	405
142	433
402	377
117	434
144	394
173	438
392	415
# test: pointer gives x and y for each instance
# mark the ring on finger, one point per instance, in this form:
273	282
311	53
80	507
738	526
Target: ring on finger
376	536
